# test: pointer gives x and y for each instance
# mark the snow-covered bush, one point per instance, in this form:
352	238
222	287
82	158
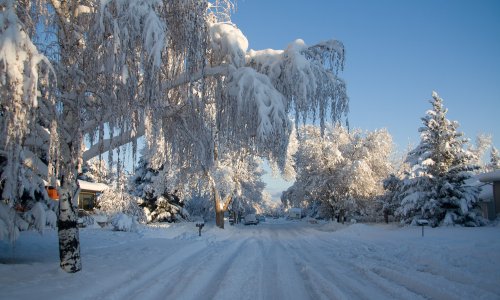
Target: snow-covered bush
40	216
123	222
113	202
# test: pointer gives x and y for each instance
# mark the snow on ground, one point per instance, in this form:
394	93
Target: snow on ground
277	259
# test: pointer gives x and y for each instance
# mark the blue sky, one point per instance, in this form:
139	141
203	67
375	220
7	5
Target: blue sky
397	53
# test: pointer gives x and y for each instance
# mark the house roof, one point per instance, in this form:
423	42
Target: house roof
92	186
490	176
486	192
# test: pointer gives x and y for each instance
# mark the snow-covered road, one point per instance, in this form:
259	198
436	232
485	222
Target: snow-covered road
273	260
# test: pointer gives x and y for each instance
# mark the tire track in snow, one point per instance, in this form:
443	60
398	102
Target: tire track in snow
391	272
350	258
217	270
316	287
278	277
131	284
359	277
334	281
182	280
269	269
243	274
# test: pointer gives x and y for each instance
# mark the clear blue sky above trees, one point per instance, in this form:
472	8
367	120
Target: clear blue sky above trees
397	53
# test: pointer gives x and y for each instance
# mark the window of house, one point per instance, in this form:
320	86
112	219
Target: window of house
86	201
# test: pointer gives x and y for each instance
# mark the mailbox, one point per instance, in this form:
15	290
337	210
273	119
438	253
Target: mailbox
200	226
422	222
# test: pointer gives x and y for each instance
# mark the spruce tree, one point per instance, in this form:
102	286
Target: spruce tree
160	203
494	159
435	189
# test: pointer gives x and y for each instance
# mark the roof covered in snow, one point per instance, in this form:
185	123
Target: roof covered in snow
490	176
486	193
485	188
92	186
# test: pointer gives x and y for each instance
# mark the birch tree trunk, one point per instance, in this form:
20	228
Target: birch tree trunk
69	238
71	84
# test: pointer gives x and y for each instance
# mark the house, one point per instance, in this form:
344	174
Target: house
295	213
88	193
490	194
87	196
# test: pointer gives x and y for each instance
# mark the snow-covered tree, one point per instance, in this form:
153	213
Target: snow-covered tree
482	144
494	159
177	72
248	190
161	190
341	170
200	205
268	206
390	200
23	136
436	187
95	170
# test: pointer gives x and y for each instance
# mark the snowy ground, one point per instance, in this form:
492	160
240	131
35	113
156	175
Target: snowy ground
273	260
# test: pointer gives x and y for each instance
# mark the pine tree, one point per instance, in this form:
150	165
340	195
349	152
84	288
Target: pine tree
494	159
435	189
156	192
389	201
96	170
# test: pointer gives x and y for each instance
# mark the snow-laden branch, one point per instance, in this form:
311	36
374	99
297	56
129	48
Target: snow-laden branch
113	143
307	77
187	77
32	161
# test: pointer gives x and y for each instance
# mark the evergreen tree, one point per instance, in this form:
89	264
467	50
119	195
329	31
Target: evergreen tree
389	201
435	189
96	170
494	159
155	194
